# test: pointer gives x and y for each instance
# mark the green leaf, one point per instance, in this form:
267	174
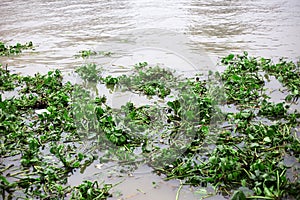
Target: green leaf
238	195
268	192
254	145
267	140
76	164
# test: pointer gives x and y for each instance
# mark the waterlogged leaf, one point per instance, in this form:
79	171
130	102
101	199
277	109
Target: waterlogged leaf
205	129
251	137
267	140
244	182
6	50
235	77
175	105
190	115
118	133
4	180
257	190
122	139
109	80
76	164
245	114
33	144
201	191
140	65
238	195
113	139
254	145
89	72
147	147
229	164
212	159
80	156
99	111
227	59
280	78
295	92
268	192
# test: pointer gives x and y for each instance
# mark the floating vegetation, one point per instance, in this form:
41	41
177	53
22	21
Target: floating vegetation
38	151
8	81
6	50
88	53
287	73
249	150
91	190
243	79
149	80
146	80
242	82
242	151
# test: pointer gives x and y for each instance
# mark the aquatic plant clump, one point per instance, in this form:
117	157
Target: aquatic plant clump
8	81
254	141
88	53
6	50
148	80
287	73
242	151
248	151
39	141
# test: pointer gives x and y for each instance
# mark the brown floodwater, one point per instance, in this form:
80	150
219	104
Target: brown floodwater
185	35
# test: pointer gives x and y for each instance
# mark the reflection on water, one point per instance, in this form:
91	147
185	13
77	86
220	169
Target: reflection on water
265	28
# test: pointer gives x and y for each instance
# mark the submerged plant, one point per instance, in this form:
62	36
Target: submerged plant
89	72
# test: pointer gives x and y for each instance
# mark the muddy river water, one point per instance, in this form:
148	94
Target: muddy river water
184	34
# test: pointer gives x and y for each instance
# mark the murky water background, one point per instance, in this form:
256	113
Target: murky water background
61	28
201	31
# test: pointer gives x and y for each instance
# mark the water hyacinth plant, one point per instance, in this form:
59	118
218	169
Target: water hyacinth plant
240	151
6	50
88	53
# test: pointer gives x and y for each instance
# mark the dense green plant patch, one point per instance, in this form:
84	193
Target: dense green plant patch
249	151
38	150
185	135
90	191
251	147
6	50
147	80
287	73
150	81
8	81
243	77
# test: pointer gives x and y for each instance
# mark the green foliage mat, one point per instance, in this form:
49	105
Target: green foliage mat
187	134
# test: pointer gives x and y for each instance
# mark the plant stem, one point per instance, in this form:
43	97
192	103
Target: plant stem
178	191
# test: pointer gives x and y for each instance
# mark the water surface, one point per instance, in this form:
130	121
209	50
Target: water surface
199	31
